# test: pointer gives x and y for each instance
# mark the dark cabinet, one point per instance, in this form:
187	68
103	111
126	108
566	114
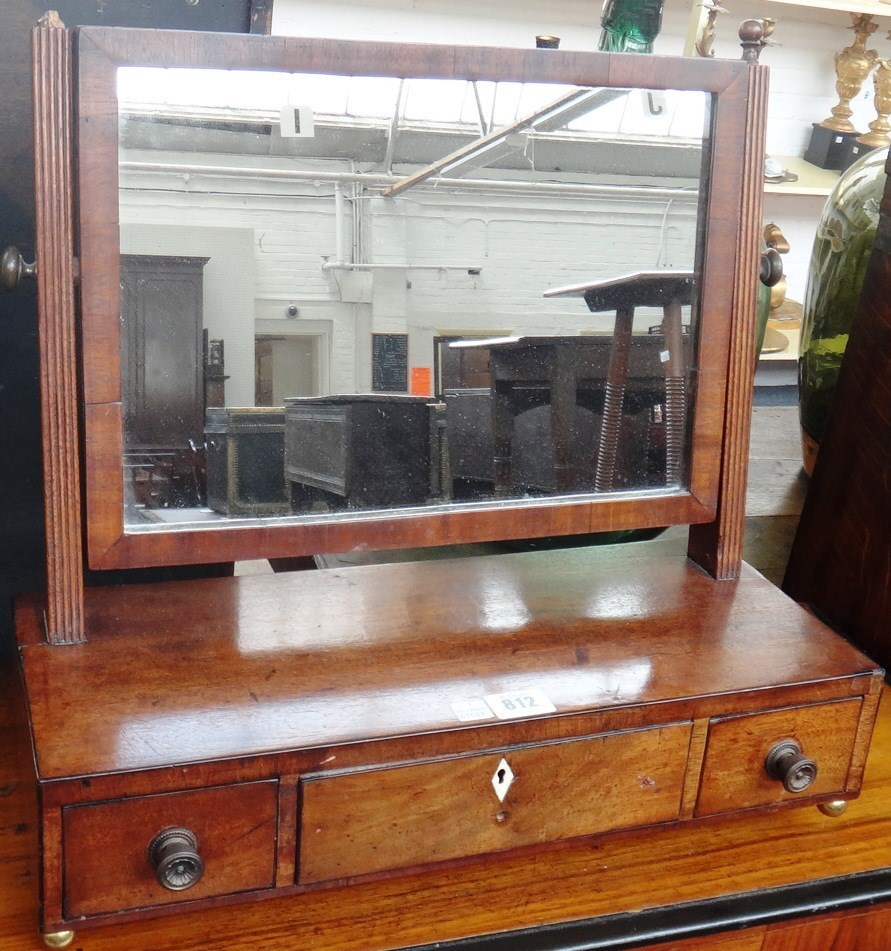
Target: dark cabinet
162	377
365	451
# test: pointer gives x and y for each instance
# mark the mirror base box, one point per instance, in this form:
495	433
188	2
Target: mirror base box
292	731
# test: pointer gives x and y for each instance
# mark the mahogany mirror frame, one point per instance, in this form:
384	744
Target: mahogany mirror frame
727	255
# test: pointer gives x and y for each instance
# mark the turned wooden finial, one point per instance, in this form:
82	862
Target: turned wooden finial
751	38
52	20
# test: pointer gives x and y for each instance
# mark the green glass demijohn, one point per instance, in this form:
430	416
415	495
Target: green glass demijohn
841	252
630	26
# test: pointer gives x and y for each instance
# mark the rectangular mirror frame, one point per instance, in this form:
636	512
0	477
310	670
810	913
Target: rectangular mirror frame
101	51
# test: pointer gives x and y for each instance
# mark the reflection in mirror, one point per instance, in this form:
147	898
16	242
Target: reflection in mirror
342	294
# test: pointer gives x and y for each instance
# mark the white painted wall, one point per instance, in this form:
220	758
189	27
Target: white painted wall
267	240
802	73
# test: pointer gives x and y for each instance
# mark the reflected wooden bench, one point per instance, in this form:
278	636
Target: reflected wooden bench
564	372
670	290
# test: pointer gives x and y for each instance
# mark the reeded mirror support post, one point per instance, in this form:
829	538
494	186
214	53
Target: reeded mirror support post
56	276
717	546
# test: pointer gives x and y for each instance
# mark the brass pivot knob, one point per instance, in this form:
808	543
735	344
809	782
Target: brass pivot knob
12	267
174	854
58	939
771	267
787	763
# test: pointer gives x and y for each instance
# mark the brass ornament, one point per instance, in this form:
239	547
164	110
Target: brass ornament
834	808
879	129
58	939
706	38
852	65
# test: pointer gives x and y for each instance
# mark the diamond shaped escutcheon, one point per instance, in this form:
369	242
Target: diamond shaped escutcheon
502	779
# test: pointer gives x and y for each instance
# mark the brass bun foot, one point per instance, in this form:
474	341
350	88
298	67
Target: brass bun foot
833	808
58	939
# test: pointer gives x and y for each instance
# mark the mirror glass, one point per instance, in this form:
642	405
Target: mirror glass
343	294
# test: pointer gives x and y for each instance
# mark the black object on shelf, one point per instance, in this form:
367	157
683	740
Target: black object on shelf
830	149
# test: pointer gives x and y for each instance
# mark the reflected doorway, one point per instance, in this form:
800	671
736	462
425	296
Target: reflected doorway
286	365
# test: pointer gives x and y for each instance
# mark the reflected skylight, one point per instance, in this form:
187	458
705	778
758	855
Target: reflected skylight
377	100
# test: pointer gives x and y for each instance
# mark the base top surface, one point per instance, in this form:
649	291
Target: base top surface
192	671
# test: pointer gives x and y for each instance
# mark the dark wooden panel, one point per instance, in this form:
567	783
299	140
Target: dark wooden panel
841	559
368	821
162	309
106	845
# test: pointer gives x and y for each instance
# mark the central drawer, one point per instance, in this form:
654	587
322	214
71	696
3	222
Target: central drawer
370	820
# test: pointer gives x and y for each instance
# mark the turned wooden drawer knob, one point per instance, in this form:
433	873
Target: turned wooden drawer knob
174	854
13	268
787	763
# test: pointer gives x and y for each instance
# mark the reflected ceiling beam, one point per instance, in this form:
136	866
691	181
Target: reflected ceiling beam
484	126
393	131
631	192
489	148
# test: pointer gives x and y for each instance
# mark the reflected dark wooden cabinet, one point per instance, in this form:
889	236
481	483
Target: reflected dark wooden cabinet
245	451
362	452
162	377
235	738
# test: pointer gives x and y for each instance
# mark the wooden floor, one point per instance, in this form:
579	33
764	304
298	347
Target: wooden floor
608	875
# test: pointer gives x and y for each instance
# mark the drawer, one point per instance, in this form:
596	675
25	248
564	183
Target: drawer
370	820
734	774
106	846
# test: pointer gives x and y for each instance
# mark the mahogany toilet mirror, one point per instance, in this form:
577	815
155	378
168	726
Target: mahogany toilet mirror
519	287
540	136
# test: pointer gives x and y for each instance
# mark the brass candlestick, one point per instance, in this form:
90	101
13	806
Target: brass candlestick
879	128
852	65
706	38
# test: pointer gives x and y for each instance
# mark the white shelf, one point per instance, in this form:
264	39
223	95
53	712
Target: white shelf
811	180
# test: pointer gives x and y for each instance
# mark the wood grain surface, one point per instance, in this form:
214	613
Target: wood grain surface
366	821
106	845
731	173
623	872
55	240
825	734
187	672
718	546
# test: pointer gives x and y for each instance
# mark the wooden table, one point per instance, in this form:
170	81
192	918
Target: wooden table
563	373
704	876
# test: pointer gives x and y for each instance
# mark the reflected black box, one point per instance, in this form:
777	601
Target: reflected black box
245	451
854	150
829	149
365	451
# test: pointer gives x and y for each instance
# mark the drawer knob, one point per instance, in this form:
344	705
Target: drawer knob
787	763
174	854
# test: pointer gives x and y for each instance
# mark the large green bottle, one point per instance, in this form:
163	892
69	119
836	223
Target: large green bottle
630	26
838	267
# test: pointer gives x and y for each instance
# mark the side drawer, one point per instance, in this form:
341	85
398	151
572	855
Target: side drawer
364	821
106	846
734	774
